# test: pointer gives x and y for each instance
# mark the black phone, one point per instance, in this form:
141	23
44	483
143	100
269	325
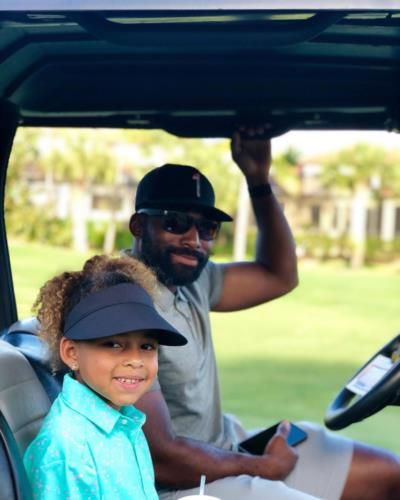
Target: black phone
257	443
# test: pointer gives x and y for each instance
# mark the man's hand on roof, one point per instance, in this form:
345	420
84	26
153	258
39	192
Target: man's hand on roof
252	153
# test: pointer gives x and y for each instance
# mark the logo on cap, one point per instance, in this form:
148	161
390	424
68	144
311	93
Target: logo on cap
196	177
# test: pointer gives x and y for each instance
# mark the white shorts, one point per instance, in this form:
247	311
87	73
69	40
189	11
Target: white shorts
320	472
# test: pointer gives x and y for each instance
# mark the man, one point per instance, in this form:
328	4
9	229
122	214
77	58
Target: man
174	227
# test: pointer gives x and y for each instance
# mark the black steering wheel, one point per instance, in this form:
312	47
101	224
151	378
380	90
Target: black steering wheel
374	386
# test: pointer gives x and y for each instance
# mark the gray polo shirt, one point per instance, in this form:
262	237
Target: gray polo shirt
188	375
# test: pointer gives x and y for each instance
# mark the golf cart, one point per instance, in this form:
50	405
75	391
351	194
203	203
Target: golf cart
194	73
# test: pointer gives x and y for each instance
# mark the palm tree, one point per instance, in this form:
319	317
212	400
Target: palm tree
286	170
24	158
363	170
81	159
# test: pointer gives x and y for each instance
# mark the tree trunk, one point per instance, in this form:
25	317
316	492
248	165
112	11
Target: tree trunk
242	222
111	232
358	224
388	226
80	205
109	237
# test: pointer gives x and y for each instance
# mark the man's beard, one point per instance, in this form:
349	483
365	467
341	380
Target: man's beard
168	273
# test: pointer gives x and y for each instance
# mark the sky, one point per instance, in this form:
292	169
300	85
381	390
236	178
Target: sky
315	143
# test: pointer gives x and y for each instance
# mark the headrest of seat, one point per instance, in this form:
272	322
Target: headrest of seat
27	325
23	334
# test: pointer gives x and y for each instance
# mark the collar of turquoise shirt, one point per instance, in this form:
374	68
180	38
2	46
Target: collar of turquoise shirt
86	402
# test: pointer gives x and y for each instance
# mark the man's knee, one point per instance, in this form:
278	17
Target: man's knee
374	473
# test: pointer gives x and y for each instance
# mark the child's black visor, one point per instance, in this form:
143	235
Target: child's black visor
116	310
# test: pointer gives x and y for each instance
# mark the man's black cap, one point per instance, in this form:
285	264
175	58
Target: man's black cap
177	187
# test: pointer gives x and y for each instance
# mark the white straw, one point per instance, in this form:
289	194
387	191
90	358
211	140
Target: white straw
202	483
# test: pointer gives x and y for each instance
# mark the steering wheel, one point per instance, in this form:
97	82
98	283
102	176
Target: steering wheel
375	385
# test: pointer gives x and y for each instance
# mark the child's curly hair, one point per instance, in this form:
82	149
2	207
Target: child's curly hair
61	293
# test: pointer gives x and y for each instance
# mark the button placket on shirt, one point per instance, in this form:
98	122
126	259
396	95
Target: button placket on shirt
130	426
184	307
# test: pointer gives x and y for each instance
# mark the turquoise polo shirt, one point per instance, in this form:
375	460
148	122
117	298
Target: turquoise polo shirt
87	450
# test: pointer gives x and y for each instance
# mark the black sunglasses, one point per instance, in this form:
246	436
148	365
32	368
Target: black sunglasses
180	222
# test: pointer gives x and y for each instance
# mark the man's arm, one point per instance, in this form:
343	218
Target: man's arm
179	462
274	269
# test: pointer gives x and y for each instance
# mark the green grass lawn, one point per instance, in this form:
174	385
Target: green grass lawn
286	359
33	264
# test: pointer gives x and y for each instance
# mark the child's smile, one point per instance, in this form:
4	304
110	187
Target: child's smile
129	382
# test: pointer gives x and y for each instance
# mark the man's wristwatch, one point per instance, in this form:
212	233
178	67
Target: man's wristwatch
260	190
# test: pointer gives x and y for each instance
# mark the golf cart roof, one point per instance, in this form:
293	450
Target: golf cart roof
202	72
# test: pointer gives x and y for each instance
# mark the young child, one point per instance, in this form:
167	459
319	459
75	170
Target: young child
100	323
